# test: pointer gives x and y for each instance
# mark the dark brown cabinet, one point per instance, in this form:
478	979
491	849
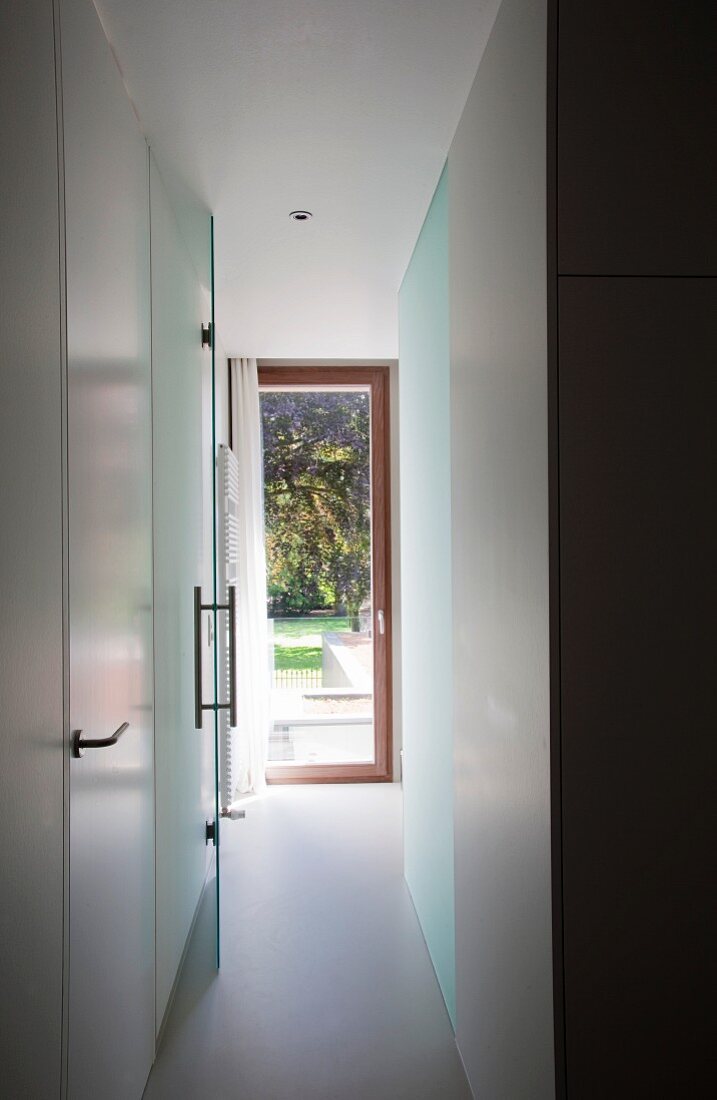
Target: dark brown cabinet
633	382
636	126
638	606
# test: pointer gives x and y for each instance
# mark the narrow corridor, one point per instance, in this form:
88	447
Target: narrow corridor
326	990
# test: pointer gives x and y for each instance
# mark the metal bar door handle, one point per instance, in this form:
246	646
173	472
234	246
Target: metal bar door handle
79	743
198	705
232	655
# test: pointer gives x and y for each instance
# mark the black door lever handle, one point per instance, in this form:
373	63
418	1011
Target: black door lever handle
79	743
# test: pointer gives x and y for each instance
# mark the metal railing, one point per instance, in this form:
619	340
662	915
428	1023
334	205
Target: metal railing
297	679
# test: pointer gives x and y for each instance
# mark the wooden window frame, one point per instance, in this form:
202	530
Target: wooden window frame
377	379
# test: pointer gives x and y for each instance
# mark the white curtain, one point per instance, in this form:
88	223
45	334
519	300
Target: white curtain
253	677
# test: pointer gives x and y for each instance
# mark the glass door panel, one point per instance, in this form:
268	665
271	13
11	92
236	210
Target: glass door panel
182	533
322	690
219	618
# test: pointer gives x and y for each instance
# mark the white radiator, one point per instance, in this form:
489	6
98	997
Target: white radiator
228	549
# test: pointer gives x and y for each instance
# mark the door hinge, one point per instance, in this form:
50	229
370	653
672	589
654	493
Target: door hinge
211	833
207	335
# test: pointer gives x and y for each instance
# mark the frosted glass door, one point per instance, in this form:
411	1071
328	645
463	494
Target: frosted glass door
183	549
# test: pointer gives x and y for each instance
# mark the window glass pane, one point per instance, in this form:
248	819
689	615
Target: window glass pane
317	498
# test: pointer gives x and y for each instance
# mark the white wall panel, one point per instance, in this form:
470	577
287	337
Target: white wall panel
111	990
497	203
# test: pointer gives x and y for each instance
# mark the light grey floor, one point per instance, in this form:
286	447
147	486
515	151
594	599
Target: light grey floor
326	991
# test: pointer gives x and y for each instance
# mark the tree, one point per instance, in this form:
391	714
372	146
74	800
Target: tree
317	490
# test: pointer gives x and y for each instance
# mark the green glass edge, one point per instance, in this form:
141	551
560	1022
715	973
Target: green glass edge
215	595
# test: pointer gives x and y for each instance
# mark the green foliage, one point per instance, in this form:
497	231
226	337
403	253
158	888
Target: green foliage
317	485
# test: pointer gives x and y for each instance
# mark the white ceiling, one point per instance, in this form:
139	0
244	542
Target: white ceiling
346	108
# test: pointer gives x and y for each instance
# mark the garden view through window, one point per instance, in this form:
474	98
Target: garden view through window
317	505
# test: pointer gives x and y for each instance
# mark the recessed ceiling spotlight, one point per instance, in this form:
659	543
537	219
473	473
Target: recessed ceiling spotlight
301	215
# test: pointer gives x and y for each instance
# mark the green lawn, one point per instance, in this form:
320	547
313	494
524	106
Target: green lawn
297	642
297	656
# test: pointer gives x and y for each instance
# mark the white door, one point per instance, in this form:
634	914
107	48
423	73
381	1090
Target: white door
111	884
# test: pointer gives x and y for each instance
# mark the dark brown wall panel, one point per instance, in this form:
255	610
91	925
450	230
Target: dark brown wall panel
638	559
637	118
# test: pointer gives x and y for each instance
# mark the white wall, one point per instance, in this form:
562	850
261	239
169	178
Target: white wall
31	559
497	198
